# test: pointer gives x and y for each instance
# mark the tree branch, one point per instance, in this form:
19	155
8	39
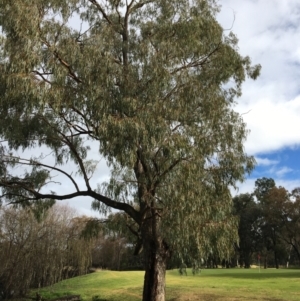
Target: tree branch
63	63
95	2
196	63
36	163
139	5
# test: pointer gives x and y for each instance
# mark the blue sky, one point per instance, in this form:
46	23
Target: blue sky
269	32
283	163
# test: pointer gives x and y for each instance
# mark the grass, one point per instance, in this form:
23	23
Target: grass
210	285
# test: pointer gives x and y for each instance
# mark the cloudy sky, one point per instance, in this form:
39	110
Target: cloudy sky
269	32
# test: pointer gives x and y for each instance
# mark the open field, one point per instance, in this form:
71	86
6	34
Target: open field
210	285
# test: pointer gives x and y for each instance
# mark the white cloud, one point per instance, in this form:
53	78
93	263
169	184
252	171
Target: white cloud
273	125
246	187
283	171
268	31
265	161
82	205
288	184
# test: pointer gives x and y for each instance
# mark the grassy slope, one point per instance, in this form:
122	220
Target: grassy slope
210	285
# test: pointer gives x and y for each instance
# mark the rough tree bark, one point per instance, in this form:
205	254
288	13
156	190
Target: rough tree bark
156	252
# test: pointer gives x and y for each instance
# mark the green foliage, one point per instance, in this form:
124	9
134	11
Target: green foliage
91	229
39	208
182	269
262	187
196	269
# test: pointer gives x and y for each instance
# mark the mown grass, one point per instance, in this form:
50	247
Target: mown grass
210	285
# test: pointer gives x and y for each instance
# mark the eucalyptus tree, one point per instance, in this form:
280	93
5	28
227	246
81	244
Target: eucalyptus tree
152	85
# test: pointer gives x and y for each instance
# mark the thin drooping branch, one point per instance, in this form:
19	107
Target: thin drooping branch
79	159
63	62
76	127
42	75
99	7
197	63
168	170
67	141
36	163
87	123
139	5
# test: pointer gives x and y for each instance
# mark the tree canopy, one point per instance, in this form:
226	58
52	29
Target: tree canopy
151	85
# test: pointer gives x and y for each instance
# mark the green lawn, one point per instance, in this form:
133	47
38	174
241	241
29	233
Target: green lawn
210	285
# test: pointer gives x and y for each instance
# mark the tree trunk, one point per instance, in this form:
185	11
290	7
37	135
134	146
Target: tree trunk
297	252
276	260
156	253
247	260
155	272
265	262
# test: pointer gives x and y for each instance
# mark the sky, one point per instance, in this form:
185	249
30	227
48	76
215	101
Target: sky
269	32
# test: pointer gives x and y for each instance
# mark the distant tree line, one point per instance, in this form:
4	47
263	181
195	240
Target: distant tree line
269	225
37	251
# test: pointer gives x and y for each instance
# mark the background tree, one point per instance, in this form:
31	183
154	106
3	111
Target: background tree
291	222
79	248
269	225
115	245
250	239
151	85
261	190
36	253
272	213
